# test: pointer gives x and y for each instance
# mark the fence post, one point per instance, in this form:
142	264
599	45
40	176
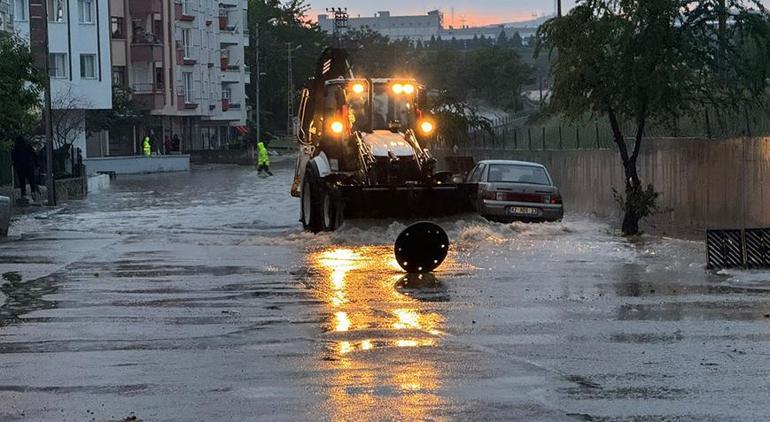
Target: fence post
543	139
515	138
597	134
748	121
529	137
561	143
577	136
708	123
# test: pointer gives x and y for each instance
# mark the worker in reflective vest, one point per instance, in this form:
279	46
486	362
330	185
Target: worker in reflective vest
263	160
146	147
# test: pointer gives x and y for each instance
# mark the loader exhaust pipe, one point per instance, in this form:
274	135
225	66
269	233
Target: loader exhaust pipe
421	248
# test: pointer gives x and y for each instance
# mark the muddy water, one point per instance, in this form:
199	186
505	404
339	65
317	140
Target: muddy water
197	296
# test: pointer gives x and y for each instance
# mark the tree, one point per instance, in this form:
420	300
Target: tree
123	112
641	61
67	117
281	22
20	88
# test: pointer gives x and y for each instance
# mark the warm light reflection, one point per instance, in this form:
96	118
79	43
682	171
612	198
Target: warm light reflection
342	322
369	324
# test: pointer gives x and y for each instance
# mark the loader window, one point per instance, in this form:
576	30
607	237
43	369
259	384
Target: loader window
388	108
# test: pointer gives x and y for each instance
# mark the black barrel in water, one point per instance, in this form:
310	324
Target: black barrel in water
421	247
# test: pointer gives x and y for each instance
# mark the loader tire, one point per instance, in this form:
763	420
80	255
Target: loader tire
331	209
310	208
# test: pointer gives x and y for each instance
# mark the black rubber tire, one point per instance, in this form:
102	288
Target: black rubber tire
331	217
310	206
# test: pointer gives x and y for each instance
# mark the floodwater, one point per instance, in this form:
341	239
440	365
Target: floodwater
197	296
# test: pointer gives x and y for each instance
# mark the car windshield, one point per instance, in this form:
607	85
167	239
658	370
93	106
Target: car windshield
513	173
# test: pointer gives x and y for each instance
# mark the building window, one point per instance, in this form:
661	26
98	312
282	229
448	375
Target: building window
88	66
119	77
187	43
57	65
56	10
186	7
118	26
20	10
188	86
86	11
159	76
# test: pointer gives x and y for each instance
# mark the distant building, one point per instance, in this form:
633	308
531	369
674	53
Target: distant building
421	27
431	26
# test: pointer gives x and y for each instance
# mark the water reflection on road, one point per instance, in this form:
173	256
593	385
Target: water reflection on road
368	313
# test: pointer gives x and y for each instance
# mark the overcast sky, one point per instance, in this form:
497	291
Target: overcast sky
473	12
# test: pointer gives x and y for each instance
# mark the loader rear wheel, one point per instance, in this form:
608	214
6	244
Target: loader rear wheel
311	198
331	209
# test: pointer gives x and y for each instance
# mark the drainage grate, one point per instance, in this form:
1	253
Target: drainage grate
725	248
748	248
758	248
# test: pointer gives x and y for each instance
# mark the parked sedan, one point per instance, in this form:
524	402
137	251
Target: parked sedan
516	191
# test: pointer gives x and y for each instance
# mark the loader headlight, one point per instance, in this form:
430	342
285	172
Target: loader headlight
427	127
337	127
408	89
397	89
358	89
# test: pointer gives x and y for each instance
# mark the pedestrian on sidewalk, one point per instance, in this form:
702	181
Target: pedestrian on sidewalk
147	147
24	159
167	143
263	160
176	142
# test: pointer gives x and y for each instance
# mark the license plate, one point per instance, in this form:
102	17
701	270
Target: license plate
523	211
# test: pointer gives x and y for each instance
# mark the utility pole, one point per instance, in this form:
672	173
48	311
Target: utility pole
290	83
256	84
38	11
558	8
290	92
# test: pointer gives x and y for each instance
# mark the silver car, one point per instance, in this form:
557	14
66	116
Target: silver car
516	191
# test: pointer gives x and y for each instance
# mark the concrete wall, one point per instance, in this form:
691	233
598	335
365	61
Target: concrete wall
704	183
138	164
236	156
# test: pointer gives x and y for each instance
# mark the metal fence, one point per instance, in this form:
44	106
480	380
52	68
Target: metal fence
6	171
556	134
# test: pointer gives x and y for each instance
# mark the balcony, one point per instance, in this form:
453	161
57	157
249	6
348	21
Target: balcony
145	47
148	97
145	7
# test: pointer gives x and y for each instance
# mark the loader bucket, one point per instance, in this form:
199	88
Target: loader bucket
408	201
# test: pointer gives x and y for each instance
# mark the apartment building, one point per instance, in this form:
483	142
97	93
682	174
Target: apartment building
183	63
6	16
78	59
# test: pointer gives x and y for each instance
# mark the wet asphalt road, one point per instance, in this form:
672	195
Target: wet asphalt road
197	297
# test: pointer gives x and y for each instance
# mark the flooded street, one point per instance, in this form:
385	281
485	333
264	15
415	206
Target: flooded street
198	297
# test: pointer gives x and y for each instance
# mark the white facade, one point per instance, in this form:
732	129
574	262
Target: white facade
212	73
79	54
6	16
426	27
419	27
